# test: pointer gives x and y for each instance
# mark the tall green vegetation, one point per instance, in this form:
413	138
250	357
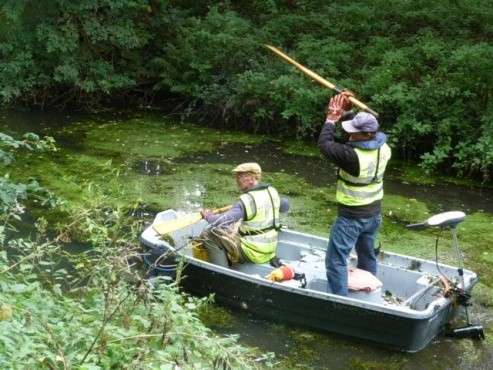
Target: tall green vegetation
425	66
13	194
63	307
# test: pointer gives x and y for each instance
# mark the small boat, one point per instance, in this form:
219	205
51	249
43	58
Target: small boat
416	302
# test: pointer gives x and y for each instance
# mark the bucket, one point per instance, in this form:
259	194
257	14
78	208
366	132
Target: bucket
199	251
217	256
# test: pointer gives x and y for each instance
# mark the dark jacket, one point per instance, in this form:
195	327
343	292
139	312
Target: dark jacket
344	156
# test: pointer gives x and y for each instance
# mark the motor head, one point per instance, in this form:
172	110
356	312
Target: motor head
442	220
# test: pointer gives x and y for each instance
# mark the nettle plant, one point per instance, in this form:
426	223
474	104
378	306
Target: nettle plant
79	298
12	194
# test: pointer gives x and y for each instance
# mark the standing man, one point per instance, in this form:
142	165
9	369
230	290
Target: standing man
361	161
248	231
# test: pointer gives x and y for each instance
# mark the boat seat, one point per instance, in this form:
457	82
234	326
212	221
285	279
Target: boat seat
288	250
253	269
364	285
320	285
374	296
359	281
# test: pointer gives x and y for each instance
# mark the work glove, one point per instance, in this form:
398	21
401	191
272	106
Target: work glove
339	104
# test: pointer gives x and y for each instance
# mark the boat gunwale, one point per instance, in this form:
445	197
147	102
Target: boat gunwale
433	309
473	275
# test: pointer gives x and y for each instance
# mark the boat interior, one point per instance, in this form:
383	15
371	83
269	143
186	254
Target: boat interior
406	282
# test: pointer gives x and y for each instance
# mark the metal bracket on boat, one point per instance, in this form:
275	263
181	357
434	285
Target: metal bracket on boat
462	297
301	277
471	331
420	293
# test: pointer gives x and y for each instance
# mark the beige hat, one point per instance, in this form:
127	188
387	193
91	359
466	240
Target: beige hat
248	167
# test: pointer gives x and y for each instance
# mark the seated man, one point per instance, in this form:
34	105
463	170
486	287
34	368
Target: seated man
248	231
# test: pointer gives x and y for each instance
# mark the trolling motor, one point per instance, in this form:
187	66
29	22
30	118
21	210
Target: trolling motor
451	220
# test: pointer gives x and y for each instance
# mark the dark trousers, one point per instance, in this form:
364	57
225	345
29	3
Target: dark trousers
345	234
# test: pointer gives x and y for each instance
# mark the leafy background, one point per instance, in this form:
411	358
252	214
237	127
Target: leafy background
424	66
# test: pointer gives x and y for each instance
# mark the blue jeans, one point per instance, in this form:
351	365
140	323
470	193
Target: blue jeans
345	234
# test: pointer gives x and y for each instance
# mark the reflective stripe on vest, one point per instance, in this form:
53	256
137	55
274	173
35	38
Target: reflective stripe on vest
368	186
259	229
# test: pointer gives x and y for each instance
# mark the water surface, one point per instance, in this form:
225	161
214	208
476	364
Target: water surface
164	164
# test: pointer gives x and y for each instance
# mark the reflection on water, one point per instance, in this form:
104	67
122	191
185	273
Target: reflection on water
302	348
150	167
193	196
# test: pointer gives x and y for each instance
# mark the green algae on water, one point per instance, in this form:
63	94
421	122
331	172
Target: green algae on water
301	148
216	316
146	138
106	156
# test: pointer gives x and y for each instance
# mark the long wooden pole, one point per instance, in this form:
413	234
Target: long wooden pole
319	79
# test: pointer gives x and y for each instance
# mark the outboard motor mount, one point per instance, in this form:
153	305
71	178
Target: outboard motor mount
451	220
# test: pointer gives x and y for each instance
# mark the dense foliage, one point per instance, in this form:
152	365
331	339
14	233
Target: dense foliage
425	66
91	308
13	194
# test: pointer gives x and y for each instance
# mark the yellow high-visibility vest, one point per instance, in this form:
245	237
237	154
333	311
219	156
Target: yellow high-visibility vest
258	231
368	186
